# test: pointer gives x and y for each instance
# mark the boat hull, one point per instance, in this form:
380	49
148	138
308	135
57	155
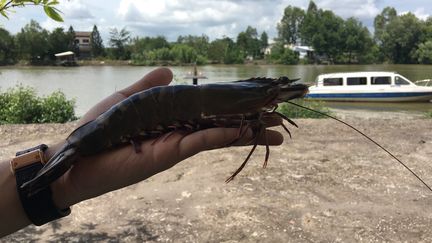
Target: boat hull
373	97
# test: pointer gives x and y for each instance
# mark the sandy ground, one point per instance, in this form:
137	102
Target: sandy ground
327	184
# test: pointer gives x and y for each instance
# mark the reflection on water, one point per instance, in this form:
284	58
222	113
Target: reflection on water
90	84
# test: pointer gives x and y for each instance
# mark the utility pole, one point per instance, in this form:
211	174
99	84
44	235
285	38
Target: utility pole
195	75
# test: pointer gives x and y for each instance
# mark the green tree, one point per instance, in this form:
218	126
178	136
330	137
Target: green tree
424	53
224	51
427	29
48	6
57	42
381	22
282	55
73	44
264	40
199	43
327	40
356	39
96	42
263	43
163	54
400	37
184	53
371	55
242	42
8	53
33	43
217	50
290	24
248	42
289	57
277	51
232	54
310	24
148	50
141	45
118	41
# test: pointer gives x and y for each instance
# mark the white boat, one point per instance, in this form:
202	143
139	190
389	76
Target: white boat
367	86
424	82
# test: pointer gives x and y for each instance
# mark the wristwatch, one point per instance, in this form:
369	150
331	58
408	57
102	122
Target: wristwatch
39	207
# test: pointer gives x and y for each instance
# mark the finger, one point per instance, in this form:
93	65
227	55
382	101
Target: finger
269	137
206	140
272	120
157	77
220	137
273	138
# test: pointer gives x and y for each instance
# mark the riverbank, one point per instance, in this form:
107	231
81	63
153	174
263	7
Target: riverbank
110	62
326	184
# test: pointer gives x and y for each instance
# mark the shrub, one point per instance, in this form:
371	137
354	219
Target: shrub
429	114
292	111
289	57
22	105
57	108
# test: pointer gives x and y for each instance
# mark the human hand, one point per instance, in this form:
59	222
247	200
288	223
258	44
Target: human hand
95	175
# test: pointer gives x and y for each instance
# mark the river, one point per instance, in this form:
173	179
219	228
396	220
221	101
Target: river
89	84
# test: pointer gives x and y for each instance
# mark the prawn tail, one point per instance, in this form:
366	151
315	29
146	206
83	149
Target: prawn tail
52	170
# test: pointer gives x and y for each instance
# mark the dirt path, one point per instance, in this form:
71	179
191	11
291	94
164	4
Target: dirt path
327	184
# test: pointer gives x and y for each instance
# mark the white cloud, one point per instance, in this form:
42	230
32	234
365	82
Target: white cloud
50	24
166	11
419	13
351	8
215	18
75	9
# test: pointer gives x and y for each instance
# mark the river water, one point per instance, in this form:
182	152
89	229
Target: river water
89	84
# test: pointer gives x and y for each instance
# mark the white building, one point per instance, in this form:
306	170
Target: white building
304	51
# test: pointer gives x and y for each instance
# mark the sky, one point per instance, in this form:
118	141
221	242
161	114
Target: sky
214	18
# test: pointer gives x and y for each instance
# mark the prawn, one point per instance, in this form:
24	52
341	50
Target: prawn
164	109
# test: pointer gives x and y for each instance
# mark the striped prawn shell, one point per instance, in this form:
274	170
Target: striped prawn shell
159	110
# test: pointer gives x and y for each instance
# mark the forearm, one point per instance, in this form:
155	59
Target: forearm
12	216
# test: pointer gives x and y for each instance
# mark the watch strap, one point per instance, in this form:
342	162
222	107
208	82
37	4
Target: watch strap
41	147
39	207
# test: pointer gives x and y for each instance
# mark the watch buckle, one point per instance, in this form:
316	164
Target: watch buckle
36	156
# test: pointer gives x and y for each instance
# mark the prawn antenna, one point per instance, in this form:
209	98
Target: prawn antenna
366	136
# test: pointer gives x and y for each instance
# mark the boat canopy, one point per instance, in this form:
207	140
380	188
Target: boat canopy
63	54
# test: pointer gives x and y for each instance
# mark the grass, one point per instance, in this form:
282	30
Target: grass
292	111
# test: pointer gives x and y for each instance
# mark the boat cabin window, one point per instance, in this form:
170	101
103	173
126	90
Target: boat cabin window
332	81
380	80
357	81
401	81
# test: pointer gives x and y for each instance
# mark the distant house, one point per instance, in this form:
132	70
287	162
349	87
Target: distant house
305	52
82	41
267	50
